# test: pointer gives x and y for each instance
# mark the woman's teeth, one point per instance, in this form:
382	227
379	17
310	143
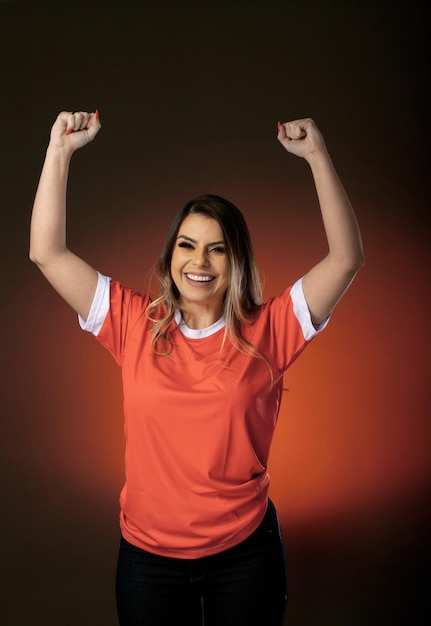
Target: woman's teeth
202	279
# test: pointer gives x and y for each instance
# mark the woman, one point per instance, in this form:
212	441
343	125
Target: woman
202	368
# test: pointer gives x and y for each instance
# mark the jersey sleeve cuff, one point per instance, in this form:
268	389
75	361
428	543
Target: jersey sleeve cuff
302	312
99	306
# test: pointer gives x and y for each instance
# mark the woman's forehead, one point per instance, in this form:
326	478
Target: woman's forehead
200	227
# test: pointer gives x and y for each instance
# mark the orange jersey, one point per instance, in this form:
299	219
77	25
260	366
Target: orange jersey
199	422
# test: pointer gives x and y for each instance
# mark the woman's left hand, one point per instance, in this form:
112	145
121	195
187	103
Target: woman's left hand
301	138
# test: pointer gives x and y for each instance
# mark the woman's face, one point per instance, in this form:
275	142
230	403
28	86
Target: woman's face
199	266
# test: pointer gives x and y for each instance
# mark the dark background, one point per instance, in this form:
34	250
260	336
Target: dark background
189	97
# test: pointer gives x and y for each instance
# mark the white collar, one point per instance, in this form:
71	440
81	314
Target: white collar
198	333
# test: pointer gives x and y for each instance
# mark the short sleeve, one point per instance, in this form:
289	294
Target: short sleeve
99	307
302	312
284	327
125	318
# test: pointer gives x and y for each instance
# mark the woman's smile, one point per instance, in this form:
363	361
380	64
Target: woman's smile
202	280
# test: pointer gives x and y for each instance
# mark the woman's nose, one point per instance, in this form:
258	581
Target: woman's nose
200	258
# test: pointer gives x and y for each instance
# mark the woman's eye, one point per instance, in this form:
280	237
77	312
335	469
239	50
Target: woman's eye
186	245
218	249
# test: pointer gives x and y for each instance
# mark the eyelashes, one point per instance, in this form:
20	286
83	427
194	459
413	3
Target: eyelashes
189	246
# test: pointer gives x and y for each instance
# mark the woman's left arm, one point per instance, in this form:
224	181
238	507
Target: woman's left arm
326	282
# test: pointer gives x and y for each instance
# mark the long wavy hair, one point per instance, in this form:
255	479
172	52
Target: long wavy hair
243	297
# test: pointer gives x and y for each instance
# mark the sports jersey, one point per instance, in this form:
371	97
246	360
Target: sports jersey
199	421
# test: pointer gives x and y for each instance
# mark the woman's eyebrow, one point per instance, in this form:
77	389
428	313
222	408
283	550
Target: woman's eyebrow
188	238
213	243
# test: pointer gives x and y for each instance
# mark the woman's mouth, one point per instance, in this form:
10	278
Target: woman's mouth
202	279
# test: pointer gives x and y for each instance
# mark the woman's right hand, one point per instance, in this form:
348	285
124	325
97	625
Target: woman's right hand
72	131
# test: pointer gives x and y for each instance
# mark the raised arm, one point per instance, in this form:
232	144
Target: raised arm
326	282
72	277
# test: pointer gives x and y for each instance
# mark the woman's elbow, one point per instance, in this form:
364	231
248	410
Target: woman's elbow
358	261
35	256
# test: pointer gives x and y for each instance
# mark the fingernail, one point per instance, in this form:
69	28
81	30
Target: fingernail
279	126
97	114
69	132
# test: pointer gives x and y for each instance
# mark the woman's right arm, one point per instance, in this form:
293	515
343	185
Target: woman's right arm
72	277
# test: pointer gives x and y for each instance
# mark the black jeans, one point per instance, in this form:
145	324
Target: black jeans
245	585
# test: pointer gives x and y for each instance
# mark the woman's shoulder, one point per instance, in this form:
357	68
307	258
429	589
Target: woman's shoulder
120	292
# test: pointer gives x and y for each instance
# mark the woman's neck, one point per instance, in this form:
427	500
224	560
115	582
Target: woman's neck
200	317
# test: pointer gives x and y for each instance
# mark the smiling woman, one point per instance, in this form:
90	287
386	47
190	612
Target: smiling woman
200	271
202	369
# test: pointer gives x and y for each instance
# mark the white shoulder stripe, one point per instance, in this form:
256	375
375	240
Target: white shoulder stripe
302	312
99	307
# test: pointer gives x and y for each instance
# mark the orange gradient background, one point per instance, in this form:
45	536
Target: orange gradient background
189	102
